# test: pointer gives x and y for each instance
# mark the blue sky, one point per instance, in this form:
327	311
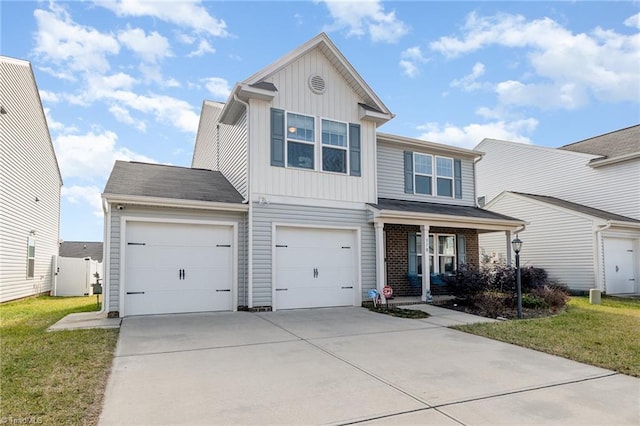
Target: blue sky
126	79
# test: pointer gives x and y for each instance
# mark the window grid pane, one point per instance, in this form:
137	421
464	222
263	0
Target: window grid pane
444	187
423	185
423	164
300	155
334	160
300	127
334	133
444	167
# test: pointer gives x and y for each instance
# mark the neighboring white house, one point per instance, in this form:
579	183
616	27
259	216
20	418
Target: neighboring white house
581	202
30	184
294	200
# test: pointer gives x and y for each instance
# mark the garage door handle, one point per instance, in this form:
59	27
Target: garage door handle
282	289
224	289
135	292
344	288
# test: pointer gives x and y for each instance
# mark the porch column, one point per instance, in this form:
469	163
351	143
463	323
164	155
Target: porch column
508	235
426	276
380	255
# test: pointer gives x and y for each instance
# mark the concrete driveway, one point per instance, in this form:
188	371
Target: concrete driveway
344	366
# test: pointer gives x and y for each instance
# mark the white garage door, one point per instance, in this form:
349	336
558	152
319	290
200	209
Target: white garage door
175	268
619	267
314	267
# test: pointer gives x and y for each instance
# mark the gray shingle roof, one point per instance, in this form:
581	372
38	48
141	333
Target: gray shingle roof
81	249
436	208
614	144
580	208
183	183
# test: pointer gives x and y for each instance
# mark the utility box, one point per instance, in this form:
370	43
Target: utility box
97	288
595	296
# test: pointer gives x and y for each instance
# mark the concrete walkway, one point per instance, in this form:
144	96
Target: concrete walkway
346	366
85	320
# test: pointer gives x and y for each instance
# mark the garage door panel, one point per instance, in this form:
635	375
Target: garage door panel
174	268
314	268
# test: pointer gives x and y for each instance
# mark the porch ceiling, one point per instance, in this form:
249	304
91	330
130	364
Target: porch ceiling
446	215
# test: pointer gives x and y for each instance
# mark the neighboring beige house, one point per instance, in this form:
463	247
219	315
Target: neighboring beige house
293	200
30	184
581	202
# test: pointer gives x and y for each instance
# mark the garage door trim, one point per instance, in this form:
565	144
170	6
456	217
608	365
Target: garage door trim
150	219
357	264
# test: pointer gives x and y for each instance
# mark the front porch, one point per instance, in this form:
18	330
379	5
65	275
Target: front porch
412	237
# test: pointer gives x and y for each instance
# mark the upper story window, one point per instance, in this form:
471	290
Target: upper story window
444	177
335	144
293	143
300	141
432	175
423	173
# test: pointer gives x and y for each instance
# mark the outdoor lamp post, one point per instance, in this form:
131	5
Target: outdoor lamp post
517	245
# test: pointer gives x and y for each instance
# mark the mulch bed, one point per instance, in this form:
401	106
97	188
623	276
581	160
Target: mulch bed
462	305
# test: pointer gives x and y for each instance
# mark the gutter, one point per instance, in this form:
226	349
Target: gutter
173	202
249	204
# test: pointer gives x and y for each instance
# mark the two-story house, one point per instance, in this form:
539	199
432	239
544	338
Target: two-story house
581	202
30	184
293	200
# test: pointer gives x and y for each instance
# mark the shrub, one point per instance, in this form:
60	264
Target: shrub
493	303
532	301
554	295
467	282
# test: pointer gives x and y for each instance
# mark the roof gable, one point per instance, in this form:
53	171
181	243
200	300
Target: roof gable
610	145
336	58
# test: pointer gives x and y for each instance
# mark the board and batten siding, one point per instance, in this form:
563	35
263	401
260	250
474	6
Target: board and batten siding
511	166
169	214
28	171
391	177
222	147
339	102
265	215
557	240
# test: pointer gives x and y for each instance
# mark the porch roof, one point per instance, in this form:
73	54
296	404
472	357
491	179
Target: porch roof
437	214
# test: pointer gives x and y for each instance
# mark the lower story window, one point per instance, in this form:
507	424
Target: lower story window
31	257
442	254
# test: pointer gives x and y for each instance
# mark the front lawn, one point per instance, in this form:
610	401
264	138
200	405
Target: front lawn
52	377
606	335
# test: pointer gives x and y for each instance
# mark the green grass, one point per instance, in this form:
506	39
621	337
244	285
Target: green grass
606	335
51	377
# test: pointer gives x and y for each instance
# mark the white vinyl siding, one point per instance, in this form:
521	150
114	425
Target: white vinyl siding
264	217
338	103
222	147
555	239
28	171
391	178
510	166
172	214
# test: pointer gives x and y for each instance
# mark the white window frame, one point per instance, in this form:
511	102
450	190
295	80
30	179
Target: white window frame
31	242
434	254
415	173
287	139
345	148
451	179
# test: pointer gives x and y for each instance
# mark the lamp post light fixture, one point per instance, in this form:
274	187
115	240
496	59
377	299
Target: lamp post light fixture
517	246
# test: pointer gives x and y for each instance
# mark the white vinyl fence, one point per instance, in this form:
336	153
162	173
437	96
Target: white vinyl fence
74	276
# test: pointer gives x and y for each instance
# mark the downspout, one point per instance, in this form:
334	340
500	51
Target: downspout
250	212
105	255
475	182
599	254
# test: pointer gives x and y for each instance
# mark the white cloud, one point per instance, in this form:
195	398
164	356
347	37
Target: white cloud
89	195
188	14
568	69
218	87
105	83
470	135
410	59
633	21
49	97
203	47
53	124
91	156
71	46
366	17
151	48
469	82
122	115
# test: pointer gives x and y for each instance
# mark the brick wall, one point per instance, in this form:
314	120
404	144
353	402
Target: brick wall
397	253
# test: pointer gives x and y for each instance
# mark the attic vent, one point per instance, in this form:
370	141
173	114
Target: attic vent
317	84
